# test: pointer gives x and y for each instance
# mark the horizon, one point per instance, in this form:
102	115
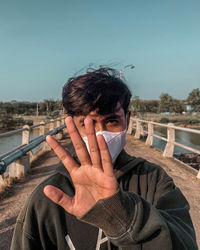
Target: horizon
132	98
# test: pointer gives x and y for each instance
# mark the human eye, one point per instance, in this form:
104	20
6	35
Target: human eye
112	122
81	122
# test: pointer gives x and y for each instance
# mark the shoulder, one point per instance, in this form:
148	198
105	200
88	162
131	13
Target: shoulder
144	167
139	166
37	203
145	178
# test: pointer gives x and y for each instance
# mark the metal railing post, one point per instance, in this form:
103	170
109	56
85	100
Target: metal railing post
149	140
169	149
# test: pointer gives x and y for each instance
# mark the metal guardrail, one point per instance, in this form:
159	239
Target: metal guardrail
4	162
13	132
16	131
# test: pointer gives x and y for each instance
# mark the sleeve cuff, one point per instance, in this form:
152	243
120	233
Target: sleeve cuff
113	214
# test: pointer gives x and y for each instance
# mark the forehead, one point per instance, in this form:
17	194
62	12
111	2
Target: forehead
118	111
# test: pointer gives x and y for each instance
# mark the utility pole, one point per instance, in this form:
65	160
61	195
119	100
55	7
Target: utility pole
37	111
131	66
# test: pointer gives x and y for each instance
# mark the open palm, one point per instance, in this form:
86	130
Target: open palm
93	180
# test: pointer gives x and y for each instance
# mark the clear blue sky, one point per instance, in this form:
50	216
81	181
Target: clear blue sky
44	42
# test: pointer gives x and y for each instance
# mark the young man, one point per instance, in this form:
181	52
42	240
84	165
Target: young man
102	198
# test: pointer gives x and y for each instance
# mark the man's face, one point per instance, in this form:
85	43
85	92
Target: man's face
114	122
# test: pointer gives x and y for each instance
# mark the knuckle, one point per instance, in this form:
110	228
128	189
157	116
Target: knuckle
61	199
93	149
106	160
78	146
90	133
72	131
55	147
63	156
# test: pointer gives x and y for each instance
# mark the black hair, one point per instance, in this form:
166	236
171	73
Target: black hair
98	89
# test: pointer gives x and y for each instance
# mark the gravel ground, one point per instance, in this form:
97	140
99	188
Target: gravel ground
15	197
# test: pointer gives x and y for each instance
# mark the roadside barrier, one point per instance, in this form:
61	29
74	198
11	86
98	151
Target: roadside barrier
19	159
138	126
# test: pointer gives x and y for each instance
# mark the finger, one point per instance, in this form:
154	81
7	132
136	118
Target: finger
63	154
77	141
105	156
93	145
59	197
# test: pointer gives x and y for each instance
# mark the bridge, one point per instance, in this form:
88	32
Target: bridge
12	200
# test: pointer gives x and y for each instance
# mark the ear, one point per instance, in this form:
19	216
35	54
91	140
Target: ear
128	115
64	110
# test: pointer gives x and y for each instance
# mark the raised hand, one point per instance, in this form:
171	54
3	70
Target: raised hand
93	180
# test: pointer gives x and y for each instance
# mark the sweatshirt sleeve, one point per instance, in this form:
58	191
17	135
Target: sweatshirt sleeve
21	239
128	220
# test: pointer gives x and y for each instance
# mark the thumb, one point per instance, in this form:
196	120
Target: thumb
58	197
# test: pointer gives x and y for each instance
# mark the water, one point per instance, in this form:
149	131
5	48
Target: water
188	139
10	142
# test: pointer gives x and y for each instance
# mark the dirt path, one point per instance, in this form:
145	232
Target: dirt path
16	196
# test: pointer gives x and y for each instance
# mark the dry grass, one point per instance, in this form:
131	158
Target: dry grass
5	183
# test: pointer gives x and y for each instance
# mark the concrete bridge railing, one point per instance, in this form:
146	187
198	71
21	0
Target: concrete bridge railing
138	125
20	158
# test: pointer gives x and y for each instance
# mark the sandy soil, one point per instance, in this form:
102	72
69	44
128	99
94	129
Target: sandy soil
13	200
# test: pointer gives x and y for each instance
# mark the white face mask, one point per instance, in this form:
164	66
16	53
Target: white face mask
115	141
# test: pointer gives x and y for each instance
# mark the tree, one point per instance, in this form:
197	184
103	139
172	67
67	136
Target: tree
178	106
166	103
143	106
136	105
194	99
151	106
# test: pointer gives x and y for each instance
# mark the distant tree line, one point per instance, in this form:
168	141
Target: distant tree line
30	108
51	107
11	112
167	104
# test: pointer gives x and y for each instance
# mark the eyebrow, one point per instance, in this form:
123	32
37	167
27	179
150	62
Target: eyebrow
111	116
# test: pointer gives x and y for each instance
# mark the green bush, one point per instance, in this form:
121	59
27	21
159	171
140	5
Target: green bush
9	121
29	122
194	121
164	120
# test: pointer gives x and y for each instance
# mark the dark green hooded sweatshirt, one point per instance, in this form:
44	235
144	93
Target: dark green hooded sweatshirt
148	212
